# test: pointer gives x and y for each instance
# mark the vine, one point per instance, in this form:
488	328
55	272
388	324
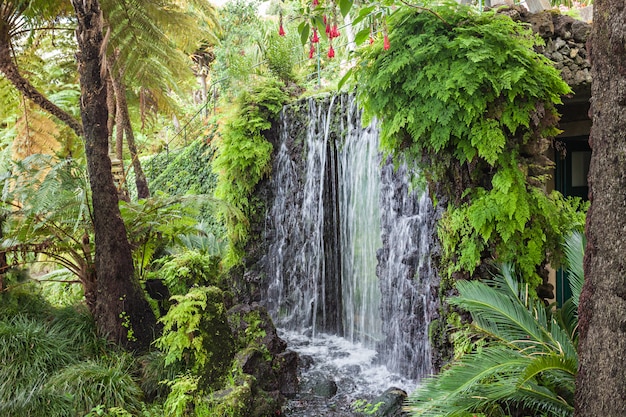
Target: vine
464	96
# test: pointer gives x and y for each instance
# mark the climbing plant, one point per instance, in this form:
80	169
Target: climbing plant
464	96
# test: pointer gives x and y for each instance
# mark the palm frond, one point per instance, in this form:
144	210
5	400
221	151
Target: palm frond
499	313
468	385
574	253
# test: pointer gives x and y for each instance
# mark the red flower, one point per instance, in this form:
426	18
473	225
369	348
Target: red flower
311	51
331	52
386	44
328	32
281	30
371	40
315	38
316	3
325	19
334	32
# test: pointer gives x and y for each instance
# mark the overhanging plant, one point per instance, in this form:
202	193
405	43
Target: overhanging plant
464	96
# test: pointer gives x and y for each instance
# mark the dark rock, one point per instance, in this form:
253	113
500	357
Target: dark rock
542	24
580	31
286	365
306	362
390	403
318	385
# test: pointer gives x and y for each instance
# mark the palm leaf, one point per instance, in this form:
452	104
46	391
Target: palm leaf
574	253
466	385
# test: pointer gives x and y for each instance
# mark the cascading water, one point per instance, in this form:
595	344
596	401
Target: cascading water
348	242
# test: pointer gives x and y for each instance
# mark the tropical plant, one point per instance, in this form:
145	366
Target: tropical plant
17	19
149	47
528	360
244	157
472	103
49	214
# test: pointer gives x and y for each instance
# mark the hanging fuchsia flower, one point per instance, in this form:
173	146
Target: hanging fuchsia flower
316	3
281	29
325	19
331	52
315	38
328	30
334	32
311	51
386	44
371	40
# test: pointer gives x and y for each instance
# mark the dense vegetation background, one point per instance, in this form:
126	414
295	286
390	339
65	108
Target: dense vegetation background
115	292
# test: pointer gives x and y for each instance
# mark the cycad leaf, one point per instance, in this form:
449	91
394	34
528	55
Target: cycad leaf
574	252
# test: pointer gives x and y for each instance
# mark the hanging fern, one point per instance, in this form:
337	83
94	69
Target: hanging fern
464	95
244	157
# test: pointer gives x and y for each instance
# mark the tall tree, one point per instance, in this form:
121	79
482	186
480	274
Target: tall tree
601	382
121	310
149	43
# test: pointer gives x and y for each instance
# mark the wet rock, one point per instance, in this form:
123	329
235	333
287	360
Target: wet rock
286	365
262	353
252	321
306	362
390	403
318	385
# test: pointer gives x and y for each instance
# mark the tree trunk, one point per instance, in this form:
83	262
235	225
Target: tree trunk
601	381
10	70
124	126
121	310
112	110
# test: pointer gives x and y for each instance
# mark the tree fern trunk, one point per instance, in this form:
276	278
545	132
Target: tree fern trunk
601	381
124	126
121	310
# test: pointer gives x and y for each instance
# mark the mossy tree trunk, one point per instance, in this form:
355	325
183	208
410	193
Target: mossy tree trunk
601	381
120	309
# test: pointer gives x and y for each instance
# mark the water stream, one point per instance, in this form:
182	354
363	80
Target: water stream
348	266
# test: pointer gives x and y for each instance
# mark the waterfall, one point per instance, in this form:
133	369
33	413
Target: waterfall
348	242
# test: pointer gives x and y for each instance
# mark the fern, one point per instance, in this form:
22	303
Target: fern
244	157
461	97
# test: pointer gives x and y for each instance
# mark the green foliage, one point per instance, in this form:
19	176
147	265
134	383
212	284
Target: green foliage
362	406
188	269
529	361
50	213
244	156
183	171
154	223
523	225
196	333
282	54
465	96
238	57
106	381
37	342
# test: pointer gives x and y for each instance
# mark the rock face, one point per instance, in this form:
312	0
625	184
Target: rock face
262	354
565	43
